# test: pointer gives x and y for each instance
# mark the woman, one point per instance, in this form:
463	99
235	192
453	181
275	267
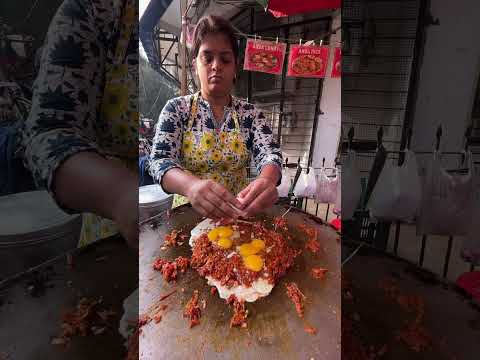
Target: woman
81	135
203	142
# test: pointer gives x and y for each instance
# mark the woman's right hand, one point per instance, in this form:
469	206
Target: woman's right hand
212	200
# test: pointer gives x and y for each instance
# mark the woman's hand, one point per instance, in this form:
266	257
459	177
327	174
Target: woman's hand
258	195
125	215
212	200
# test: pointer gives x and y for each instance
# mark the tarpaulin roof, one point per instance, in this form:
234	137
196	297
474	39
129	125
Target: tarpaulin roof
287	7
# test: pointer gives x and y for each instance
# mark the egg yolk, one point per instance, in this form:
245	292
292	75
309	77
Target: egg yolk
224	231
213	234
258	244
225	242
253	262
248	249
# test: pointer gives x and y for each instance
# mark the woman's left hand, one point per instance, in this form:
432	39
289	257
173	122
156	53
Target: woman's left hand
258	195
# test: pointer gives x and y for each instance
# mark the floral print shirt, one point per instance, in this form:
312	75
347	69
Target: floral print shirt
168	145
68	92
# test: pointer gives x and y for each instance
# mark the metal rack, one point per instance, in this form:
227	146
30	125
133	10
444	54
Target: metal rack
383	46
291	104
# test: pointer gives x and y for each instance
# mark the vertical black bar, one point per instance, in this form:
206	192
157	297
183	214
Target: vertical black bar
328	209
316	210
286	33
306	203
447	256
397	238
472	266
249	79
422	250
315	120
414	76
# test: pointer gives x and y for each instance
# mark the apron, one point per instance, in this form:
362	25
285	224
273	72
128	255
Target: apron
214	154
117	128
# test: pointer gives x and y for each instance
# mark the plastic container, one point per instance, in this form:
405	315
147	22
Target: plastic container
33	229
152	200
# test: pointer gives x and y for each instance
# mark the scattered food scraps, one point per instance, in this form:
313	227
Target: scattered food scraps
319	273
240	313
280	223
310	330
297	297
86	319
192	310
172	239
169	268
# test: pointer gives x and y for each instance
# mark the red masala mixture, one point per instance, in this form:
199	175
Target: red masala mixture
86	319
280	223
169	268
296	296
319	273
310	330
192	310
210	260
312	243
174	238
240	313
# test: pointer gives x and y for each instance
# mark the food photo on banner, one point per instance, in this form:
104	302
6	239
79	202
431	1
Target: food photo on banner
308	61
264	56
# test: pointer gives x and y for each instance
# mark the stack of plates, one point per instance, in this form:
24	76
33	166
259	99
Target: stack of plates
152	200
33	229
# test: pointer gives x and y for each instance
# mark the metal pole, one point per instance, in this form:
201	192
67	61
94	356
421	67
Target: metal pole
414	76
447	257
282	94
249	79
315	121
183	51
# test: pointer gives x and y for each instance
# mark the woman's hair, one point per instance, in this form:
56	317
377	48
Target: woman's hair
212	24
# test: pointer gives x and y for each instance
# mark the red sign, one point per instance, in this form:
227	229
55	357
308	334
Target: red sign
337	63
264	56
308	61
280	8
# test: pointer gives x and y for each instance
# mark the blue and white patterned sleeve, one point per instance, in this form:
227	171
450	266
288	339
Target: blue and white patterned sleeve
167	143
66	92
264	148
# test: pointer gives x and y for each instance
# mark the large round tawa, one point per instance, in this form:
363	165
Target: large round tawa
274	329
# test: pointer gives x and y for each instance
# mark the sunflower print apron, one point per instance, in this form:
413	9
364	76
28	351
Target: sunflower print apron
117	128
218	155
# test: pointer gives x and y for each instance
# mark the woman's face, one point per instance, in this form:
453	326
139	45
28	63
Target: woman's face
215	65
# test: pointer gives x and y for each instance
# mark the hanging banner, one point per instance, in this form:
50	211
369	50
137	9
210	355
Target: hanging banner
337	63
308	61
264	56
280	8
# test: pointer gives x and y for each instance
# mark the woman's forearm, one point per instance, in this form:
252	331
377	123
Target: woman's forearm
87	182
178	181
271	172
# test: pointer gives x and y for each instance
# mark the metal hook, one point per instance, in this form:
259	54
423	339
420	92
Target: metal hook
409	137
468	133
351	134
438	135
379	137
